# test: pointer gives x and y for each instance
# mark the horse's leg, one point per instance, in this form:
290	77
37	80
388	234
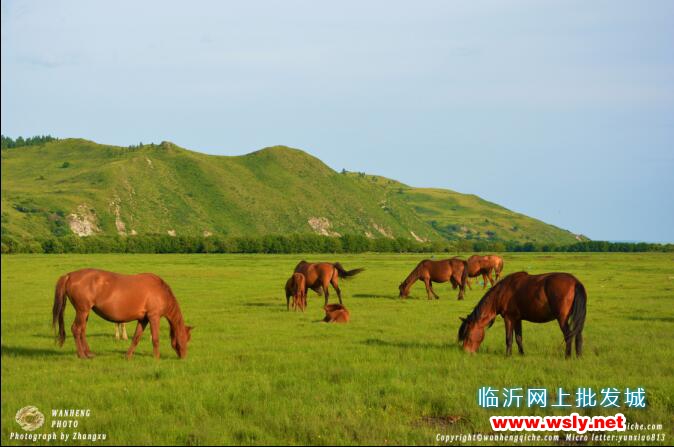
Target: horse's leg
509	335
326	290
83	336
116	331
484	281
335	284
136	337
468	282
518	335
125	336
491	280
579	344
564	325
427	282
154	329
288	302
430	285
80	321
462	287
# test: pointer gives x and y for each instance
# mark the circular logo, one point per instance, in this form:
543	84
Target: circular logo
29	418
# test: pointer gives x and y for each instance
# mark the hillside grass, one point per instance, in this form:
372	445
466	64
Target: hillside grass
257	374
162	188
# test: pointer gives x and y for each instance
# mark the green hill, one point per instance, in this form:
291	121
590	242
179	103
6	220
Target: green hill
79	186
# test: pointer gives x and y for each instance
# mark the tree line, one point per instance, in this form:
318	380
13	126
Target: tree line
8	142
298	243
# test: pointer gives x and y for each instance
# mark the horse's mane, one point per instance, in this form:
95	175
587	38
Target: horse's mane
415	271
477	310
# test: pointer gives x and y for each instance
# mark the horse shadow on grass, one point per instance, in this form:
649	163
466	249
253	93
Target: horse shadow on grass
408	344
642	318
22	351
371	296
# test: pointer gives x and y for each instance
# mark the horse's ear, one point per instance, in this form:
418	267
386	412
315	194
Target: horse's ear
462	319
189	328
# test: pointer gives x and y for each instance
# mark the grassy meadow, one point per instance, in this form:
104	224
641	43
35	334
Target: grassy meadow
257	374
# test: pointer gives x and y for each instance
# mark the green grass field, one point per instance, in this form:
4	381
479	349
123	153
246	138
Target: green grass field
258	374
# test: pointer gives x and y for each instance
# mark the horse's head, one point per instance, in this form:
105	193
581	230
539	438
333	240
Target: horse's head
404	290
471	333
179	340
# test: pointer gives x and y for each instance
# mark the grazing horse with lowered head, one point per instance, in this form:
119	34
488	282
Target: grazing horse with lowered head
484	265
428	271
536	298
320	275
119	298
296	287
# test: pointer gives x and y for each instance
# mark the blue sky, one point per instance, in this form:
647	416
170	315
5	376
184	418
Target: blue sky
560	110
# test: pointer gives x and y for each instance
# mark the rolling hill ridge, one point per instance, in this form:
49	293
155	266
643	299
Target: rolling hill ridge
78	186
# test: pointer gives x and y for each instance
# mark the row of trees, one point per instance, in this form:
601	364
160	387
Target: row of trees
296	243
8	142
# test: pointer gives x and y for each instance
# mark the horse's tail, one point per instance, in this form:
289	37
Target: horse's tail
59	308
344	273
578	310
464	275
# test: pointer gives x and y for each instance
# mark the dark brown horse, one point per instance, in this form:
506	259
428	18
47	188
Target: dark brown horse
320	275
536	298
119	298
484	265
296	288
428	271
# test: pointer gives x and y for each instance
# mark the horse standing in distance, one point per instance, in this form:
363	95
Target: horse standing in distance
428	271
296	288
484	265
119	298
120	331
536	298
323	274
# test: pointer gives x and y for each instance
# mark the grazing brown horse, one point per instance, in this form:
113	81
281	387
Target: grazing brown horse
320	275
536	298
296	287
336	313
484	265
120	328
119	298
428	271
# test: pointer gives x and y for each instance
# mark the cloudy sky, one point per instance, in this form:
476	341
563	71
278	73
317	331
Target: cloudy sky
562	110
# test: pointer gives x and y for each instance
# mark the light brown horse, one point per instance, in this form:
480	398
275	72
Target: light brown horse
428	271
536	298
119	298
336	313
321	275
296	288
120	331
484	265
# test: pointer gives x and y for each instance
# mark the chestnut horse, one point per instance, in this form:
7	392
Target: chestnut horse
296	287
336	313
536	298
484	265
119	298
320	275
428	271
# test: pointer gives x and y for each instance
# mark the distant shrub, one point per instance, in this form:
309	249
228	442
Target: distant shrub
298	243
